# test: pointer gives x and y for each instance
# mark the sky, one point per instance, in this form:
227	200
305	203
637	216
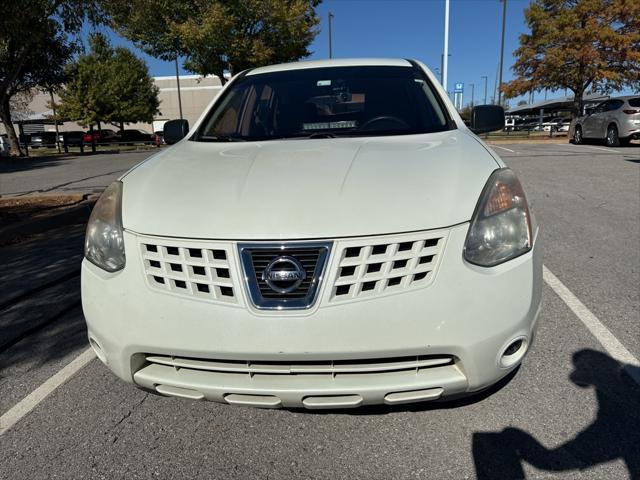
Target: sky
414	29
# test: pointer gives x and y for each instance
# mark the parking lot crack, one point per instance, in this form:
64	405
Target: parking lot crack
128	414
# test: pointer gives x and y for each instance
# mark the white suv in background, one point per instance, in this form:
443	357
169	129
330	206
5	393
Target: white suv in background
616	121
329	234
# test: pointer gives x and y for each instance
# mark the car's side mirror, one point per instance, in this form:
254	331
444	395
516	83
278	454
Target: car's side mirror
487	118
175	130
588	111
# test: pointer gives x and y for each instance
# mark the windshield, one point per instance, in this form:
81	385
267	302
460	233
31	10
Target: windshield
323	103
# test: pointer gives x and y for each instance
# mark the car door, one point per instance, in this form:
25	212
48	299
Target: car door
590	125
606	117
609	117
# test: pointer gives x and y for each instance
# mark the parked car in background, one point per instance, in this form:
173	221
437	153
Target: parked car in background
43	139
105	135
531	126
616	121
73	138
558	124
5	147
564	125
133	135
329	235
158	137
509	123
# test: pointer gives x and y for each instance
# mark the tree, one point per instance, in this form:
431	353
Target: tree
465	113
108	85
216	35
34	48
132	89
577	45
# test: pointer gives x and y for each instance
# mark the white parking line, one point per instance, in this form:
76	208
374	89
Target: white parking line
608	150
28	403
610	343
504	148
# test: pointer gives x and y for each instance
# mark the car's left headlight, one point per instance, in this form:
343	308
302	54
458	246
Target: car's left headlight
501	225
104	241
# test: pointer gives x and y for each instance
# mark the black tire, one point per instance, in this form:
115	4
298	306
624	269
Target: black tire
612	139
578	139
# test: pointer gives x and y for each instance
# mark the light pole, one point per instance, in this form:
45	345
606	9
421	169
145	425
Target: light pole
330	35
445	55
504	19
473	88
485	87
55	121
442	66
178	83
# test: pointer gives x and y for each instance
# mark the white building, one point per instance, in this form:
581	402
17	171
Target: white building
195	91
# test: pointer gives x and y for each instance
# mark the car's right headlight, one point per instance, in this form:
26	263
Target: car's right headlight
104	241
501	226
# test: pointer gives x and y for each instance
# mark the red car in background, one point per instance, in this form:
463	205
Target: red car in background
101	136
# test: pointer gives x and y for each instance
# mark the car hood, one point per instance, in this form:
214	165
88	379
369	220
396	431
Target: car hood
311	188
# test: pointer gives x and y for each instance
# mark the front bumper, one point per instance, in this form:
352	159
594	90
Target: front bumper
467	314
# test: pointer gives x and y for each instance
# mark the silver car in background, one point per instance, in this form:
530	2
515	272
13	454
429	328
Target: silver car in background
616	121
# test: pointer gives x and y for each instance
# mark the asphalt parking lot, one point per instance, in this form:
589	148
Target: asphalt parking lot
571	411
73	173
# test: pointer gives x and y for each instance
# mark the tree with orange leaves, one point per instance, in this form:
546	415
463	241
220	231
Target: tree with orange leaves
578	45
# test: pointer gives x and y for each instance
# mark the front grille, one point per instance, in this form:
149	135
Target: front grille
332	368
386	265
189	269
304	260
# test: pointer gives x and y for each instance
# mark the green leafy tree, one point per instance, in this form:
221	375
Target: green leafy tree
578	45
108	85
132	89
34	47
216	35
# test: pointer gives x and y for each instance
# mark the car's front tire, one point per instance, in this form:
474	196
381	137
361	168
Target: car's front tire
613	140
578	139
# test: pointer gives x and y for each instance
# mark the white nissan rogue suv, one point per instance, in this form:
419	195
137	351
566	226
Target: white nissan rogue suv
329	234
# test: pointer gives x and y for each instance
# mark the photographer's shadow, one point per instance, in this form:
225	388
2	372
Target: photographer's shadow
615	433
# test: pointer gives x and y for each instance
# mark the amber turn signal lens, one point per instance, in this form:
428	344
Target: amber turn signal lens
501	199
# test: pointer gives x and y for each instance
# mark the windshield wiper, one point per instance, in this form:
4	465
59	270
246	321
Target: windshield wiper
221	138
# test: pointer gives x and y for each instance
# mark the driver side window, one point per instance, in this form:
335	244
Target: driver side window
600	107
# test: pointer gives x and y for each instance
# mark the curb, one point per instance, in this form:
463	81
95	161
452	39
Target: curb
67	216
530	141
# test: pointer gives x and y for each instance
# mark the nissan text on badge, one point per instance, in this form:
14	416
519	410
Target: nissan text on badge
329	234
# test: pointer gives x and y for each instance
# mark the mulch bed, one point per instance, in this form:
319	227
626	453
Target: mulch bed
17	209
